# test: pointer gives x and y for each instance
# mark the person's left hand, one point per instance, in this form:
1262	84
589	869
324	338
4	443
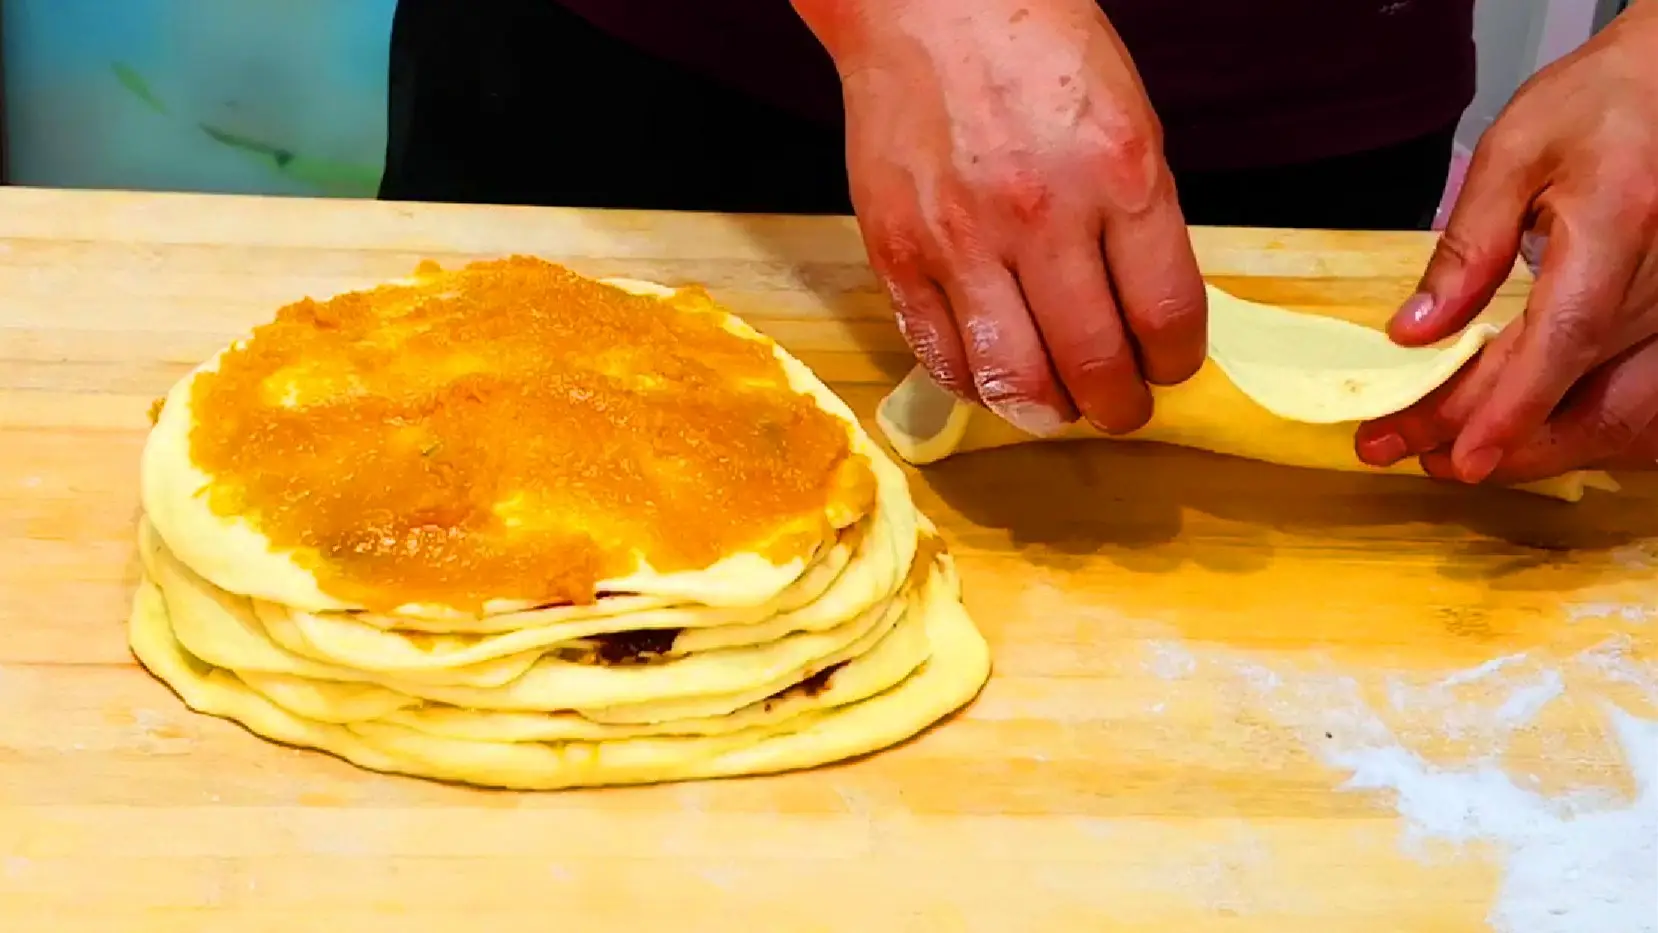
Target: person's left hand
1573	382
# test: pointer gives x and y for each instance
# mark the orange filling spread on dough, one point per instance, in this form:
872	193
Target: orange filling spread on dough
512	430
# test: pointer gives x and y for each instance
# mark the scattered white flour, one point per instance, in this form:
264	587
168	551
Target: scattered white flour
1592	871
1491	700
1581	863
1476	674
1523	705
1628	612
1584	862
1171	661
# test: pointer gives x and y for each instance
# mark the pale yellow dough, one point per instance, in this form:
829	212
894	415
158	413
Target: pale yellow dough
1278	386
221	630
536	753
833	590
510	697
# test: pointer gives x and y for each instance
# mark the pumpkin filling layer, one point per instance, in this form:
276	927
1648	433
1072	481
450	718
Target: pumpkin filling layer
513	430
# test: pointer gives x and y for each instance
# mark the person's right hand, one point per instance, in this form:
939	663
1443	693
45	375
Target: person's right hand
1008	176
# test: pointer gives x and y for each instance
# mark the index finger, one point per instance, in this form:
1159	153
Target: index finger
1571	313
1436	420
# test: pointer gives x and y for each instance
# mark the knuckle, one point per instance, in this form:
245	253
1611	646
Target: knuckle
1126	146
895	248
1021	192
1103	377
1102	369
1438	425
1166	318
1457	250
1505	142
1093	360
1172	336
1002	386
984	333
1129	163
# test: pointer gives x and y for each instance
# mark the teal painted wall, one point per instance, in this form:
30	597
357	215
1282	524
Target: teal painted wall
258	96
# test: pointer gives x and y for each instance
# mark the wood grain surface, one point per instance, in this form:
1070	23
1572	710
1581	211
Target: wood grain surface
1180	639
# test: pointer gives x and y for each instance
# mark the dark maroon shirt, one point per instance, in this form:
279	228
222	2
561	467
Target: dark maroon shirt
1237	83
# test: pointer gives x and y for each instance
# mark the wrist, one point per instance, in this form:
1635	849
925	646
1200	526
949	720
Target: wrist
846	28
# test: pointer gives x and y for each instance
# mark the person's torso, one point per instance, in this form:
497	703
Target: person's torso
1236	84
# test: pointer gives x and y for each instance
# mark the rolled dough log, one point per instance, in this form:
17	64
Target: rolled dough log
1279	386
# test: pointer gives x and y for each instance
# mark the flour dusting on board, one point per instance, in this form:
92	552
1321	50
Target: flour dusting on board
1458	702
1585	861
1628	612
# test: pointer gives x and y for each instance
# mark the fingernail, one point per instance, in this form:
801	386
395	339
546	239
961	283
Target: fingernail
1385	450
1030	418
1479	464
1415	310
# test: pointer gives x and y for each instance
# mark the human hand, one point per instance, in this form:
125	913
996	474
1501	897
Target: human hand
1573	382
1008	177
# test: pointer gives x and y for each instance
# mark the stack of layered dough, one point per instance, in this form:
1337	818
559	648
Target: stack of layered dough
510	526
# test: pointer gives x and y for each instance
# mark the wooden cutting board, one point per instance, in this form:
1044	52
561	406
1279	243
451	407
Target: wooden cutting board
1227	696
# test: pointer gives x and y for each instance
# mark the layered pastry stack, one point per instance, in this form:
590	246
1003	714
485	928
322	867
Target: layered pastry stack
511	526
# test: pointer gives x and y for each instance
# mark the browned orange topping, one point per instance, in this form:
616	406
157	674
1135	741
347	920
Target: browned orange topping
512	430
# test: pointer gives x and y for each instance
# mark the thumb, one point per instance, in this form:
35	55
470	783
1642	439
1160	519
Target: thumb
1475	254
